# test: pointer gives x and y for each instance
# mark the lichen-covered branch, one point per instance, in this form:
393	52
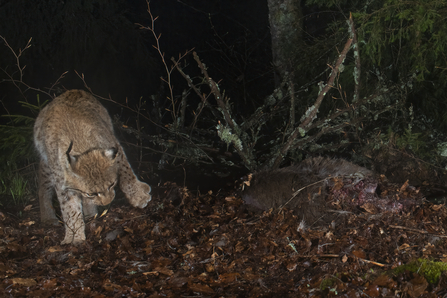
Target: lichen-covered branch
202	96
311	111
217	94
357	68
231	133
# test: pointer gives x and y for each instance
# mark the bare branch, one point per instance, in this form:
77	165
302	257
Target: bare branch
168	70
18	83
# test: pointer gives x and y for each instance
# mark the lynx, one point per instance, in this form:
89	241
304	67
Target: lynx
81	161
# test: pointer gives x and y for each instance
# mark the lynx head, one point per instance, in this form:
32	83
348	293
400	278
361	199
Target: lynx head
93	173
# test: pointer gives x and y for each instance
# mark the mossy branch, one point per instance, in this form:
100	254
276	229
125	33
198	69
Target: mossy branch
312	111
232	133
358	67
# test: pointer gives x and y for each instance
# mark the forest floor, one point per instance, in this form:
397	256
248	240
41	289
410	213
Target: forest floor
211	245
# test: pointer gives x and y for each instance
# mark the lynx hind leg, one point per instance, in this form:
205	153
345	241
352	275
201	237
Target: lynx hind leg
137	192
46	192
71	208
89	208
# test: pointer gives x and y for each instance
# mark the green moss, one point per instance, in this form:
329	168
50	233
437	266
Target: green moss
431	270
328	283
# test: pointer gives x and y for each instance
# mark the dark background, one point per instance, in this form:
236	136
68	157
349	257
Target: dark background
101	39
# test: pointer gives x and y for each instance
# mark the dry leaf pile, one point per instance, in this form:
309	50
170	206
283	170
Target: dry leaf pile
212	246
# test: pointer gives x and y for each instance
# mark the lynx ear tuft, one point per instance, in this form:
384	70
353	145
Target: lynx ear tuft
111	153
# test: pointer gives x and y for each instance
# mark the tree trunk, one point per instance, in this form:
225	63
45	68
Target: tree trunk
285	18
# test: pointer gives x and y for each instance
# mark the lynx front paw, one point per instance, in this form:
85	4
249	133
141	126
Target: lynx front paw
139	195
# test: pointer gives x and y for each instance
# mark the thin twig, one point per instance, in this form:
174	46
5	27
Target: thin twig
298	191
202	96
20	69
417	231
157	47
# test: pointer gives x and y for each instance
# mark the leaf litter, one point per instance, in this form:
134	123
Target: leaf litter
213	245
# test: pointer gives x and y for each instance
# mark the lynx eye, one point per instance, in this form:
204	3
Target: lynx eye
91	195
112	186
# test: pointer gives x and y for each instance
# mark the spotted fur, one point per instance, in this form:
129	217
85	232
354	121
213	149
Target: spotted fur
81	162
